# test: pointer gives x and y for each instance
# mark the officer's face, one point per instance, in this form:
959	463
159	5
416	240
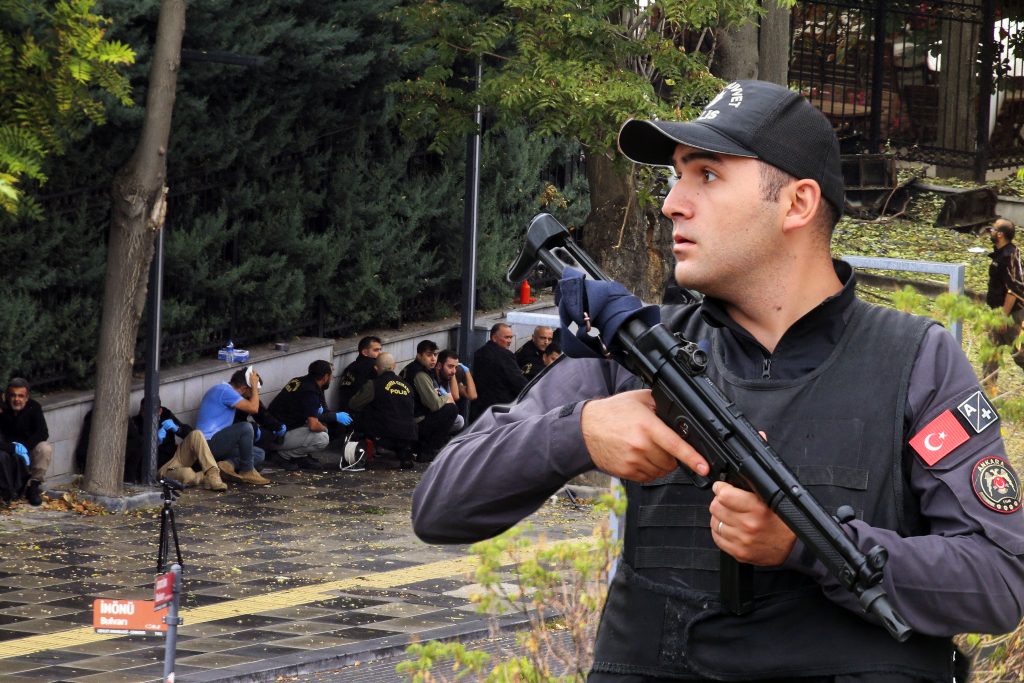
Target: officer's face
17	398
373	350
428	359
723	233
542	337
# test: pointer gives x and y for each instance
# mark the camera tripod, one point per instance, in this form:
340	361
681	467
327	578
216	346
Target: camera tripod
171	490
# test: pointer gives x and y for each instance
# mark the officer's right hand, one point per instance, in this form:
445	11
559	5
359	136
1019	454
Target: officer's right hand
161	435
280	431
21	452
169	425
626	439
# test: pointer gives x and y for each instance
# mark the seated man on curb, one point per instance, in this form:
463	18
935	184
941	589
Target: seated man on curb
231	443
179	462
436	412
551	354
388	410
498	377
267	431
456	377
359	371
530	356
302	407
22	421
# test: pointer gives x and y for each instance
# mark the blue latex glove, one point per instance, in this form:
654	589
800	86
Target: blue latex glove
319	411
464	367
169	425
161	435
343	418
21	452
441	391
279	433
258	434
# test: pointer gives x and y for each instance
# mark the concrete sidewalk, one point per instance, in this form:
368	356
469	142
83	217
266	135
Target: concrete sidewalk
318	571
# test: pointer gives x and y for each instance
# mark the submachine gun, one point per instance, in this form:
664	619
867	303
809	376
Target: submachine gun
688	402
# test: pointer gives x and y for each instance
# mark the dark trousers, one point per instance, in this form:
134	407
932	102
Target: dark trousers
435	426
234	443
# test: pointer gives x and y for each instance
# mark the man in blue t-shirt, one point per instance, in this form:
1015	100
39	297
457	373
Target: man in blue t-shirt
232	442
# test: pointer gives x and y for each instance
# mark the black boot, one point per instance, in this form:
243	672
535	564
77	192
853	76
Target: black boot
32	493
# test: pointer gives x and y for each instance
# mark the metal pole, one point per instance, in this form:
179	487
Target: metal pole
173	621
469	228
151	391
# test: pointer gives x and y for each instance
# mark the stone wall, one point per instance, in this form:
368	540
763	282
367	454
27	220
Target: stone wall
182	388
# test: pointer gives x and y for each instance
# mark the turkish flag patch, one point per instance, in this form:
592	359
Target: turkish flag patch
939	437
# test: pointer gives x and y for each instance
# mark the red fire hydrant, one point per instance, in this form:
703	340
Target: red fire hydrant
524	293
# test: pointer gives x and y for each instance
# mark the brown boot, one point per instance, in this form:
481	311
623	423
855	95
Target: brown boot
212	480
252	477
227	469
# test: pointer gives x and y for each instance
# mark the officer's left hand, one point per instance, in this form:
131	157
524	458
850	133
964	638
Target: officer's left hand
749	530
169	425
343	418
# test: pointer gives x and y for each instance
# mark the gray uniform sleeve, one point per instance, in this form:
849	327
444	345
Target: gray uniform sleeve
966	574
508	464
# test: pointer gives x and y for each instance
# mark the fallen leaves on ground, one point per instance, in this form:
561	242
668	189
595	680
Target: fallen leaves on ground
70	503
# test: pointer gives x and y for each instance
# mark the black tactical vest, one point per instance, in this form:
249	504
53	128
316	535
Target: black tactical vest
390	413
409	375
840	428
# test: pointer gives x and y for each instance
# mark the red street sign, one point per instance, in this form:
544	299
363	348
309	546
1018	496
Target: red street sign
130	617
163	590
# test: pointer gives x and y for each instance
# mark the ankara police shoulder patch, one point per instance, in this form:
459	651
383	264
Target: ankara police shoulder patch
996	485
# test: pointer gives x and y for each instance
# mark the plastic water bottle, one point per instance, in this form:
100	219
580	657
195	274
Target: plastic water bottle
230	351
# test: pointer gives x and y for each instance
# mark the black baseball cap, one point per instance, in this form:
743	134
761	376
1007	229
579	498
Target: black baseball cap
753	119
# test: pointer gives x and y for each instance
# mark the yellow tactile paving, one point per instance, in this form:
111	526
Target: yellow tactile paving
290	597
256	604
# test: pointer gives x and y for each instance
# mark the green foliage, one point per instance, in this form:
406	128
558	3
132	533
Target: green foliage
56	67
577	69
295	207
557	586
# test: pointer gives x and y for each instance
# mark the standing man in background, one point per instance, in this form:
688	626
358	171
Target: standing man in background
1005	292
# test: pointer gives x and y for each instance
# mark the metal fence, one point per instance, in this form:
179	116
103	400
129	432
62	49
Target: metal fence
938	82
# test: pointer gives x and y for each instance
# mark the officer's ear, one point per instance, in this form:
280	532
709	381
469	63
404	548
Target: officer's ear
800	200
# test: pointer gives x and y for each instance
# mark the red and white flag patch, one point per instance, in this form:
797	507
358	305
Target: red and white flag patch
939	437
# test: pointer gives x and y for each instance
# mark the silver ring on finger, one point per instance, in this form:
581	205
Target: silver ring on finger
720	522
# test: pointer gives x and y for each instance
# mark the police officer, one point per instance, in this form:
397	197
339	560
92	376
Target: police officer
302	407
530	356
869	407
388	410
359	371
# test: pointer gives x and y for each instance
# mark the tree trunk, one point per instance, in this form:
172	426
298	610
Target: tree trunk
773	44
139	204
958	93
736	53
632	244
